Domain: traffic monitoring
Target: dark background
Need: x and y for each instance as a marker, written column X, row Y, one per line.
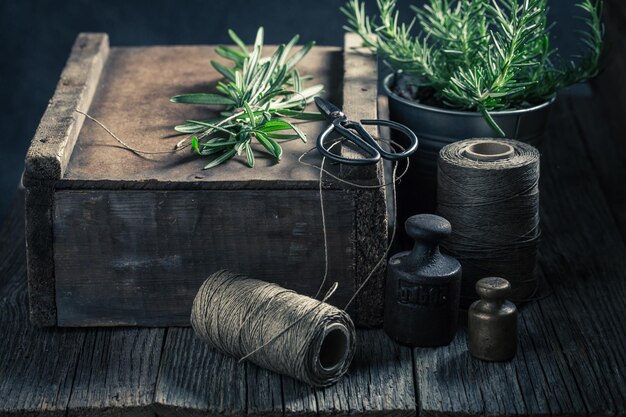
column 36, row 36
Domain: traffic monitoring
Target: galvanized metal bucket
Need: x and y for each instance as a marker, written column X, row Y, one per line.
column 437, row 127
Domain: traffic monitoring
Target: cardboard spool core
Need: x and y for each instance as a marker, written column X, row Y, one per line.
column 488, row 151
column 334, row 348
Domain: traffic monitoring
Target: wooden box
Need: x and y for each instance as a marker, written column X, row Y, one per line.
column 114, row 239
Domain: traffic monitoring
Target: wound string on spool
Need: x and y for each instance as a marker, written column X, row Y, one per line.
column 242, row 317
column 488, row 190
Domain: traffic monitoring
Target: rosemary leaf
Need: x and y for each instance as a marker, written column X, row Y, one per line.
column 202, row 99
column 220, row 159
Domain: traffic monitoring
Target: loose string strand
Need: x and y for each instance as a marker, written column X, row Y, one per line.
column 138, row 152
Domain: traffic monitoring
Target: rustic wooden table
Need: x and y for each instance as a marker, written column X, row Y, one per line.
column 571, row 358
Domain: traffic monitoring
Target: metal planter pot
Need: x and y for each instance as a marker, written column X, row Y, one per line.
column 436, row 127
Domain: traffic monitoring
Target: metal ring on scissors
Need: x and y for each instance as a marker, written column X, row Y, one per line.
column 355, row 132
column 374, row 154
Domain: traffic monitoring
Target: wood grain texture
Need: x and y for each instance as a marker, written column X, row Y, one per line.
column 371, row 244
column 379, row 382
column 195, row 380
column 30, row 380
column 578, row 226
column 116, row 373
column 572, row 355
column 54, row 140
column 138, row 257
column 39, row 254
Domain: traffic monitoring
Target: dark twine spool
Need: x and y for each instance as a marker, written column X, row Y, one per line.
column 274, row 328
column 488, row 190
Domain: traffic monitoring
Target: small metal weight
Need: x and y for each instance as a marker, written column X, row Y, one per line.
column 423, row 287
column 492, row 322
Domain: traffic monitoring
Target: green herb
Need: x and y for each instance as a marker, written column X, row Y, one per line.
column 259, row 94
column 480, row 55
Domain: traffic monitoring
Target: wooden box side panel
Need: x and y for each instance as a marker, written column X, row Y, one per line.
column 138, row 257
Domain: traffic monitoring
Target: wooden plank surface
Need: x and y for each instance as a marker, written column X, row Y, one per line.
column 116, row 372
column 379, row 383
column 195, row 380
column 166, row 371
column 360, row 93
column 113, row 265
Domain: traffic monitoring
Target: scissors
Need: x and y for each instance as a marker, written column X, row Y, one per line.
column 355, row 133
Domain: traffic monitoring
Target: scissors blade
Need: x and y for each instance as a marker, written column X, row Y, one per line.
column 327, row 108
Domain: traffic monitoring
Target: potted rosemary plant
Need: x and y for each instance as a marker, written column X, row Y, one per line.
column 476, row 68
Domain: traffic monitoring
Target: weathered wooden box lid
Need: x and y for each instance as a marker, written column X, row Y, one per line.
column 117, row 238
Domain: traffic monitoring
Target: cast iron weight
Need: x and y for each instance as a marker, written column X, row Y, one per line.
column 423, row 287
column 492, row 321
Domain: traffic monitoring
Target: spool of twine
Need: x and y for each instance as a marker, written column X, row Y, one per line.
column 488, row 190
column 274, row 328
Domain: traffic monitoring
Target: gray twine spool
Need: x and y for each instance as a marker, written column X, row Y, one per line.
column 488, row 190
column 274, row 328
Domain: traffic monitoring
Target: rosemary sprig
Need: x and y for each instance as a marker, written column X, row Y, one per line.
column 259, row 94
column 481, row 55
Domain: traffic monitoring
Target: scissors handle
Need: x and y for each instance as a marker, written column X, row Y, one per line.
column 393, row 156
column 374, row 154
column 365, row 141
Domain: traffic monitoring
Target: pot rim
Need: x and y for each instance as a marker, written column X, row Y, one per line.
column 466, row 113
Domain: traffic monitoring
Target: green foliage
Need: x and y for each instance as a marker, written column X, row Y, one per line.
column 259, row 94
column 480, row 55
